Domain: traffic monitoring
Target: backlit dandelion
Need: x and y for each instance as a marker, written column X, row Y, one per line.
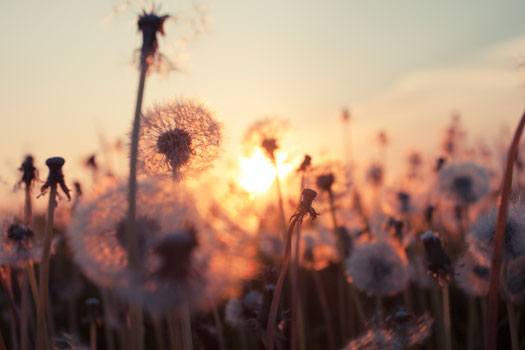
column 378, row 268
column 179, row 138
column 481, row 234
column 464, row 183
column 471, row 276
column 18, row 245
column 182, row 260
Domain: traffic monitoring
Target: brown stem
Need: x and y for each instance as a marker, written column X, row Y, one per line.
column 272, row 317
column 136, row 326
column 325, row 309
column 499, row 237
column 44, row 272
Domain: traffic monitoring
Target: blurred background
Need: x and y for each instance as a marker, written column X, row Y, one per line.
column 69, row 74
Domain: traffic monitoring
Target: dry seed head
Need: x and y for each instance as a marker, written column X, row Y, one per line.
column 150, row 24
column 438, row 262
column 29, row 172
column 56, row 176
column 307, row 161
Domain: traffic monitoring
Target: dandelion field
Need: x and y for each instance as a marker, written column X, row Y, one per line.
column 301, row 250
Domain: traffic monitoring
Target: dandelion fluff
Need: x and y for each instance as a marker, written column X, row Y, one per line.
column 465, row 183
column 178, row 138
column 182, row 261
column 378, row 268
column 481, row 234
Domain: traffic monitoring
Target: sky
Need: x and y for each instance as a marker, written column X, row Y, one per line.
column 67, row 74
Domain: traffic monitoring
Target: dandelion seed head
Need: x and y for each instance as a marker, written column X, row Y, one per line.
column 472, row 277
column 480, row 236
column 18, row 245
column 29, row 172
column 174, row 269
column 179, row 138
column 378, row 268
column 375, row 174
column 464, row 183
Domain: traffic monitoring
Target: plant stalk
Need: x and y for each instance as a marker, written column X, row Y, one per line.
column 44, row 272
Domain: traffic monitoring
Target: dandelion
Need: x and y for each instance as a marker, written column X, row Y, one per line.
column 481, row 234
column 183, row 262
column 375, row 174
column 238, row 313
column 398, row 331
column 18, row 245
column 464, row 183
column 472, row 277
column 378, row 268
column 179, row 138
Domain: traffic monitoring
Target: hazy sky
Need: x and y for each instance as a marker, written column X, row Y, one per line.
column 404, row 66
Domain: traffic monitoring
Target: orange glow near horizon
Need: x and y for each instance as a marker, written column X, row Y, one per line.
column 258, row 173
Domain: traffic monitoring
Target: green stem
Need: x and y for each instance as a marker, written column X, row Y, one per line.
column 44, row 272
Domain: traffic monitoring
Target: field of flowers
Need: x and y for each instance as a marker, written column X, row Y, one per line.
column 337, row 255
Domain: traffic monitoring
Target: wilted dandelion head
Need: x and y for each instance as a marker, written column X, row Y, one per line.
column 378, row 268
column 183, row 261
column 150, row 24
column 56, row 176
column 325, row 182
column 481, row 234
column 29, row 172
column 438, row 262
column 464, row 183
column 307, row 161
column 471, row 276
column 179, row 138
column 18, row 245
column 375, row 174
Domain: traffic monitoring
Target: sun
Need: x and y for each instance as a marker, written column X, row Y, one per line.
column 258, row 172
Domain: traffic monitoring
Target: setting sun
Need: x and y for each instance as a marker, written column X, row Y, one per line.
column 258, row 172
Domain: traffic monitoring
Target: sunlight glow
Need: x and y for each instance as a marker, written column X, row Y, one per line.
column 258, row 173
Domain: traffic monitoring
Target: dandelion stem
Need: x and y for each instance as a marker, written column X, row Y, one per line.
column 325, row 309
column 513, row 325
column 136, row 326
column 471, row 328
column 107, row 307
column 218, row 325
column 93, row 335
column 24, row 335
column 185, row 325
column 32, row 282
column 157, row 329
column 446, row 317
column 272, row 317
column 174, row 332
column 44, row 271
column 280, row 201
column 499, row 237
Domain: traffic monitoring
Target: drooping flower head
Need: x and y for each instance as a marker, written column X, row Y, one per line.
column 464, row 183
column 179, row 138
column 378, row 268
column 183, row 261
column 481, row 234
